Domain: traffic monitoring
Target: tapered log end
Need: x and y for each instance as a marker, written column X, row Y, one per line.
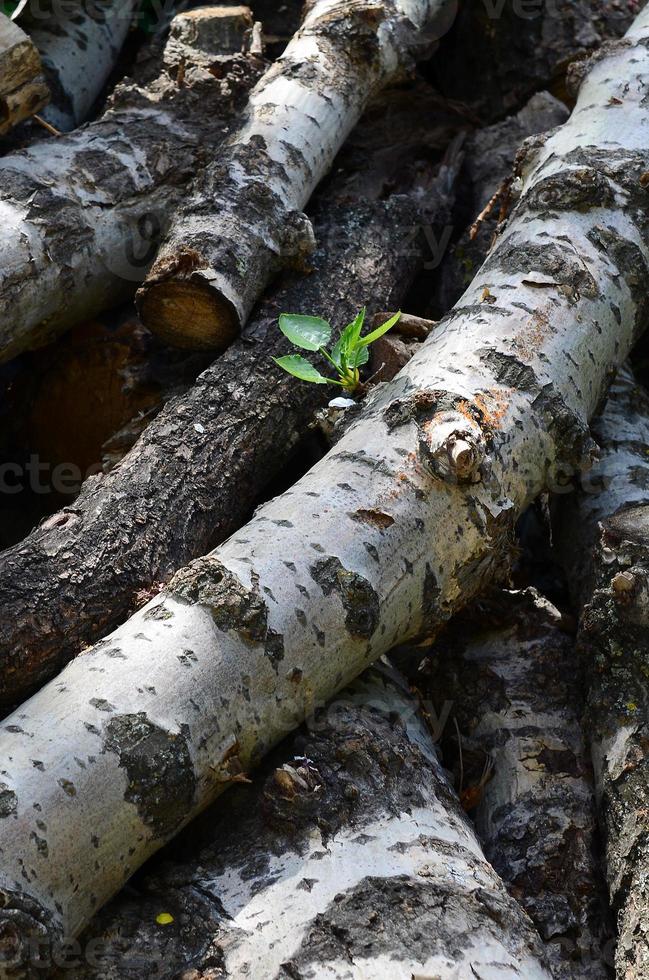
column 188, row 313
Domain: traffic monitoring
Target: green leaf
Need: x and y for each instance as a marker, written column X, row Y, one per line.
column 361, row 357
column 356, row 325
column 300, row 368
column 338, row 355
column 307, row 332
column 375, row 334
column 348, row 341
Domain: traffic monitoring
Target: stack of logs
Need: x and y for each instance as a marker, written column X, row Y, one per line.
column 421, row 673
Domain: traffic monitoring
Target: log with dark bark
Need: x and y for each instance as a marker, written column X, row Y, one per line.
column 404, row 522
column 509, row 668
column 244, row 220
column 81, row 215
column 613, row 581
column 23, row 89
column 79, row 45
column 516, row 47
column 198, row 469
column 619, row 480
column 489, row 158
column 351, row 859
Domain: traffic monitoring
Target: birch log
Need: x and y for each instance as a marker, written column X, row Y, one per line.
column 199, row 467
column 352, row 858
column 613, row 641
column 244, row 219
column 79, row 44
column 80, row 215
column 23, row 89
column 510, row 671
column 405, row 520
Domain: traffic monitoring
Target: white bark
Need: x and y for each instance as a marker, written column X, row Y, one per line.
column 517, row 694
column 79, row 44
column 244, row 219
column 80, row 215
column 370, row 548
column 613, row 581
column 23, row 90
column 352, row 859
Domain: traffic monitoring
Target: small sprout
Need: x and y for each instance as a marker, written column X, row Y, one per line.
column 347, row 356
column 164, row 919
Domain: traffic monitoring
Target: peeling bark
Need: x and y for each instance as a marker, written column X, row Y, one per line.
column 244, row 220
column 23, row 89
column 197, row 470
column 81, row 215
column 241, row 644
column 79, row 45
column 613, row 642
column 351, row 858
column 517, row 696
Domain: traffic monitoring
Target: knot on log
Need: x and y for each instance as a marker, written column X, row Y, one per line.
column 630, row 590
column 623, row 583
column 23, row 932
column 298, row 242
column 570, row 190
column 452, row 448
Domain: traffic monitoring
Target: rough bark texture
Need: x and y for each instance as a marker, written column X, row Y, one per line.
column 350, row 857
column 408, row 517
column 244, row 219
column 80, row 215
column 613, row 641
column 619, row 479
column 517, row 695
column 23, row 90
column 489, row 157
column 79, row 44
column 196, row 472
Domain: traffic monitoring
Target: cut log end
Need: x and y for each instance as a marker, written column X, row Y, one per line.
column 188, row 314
column 22, row 104
column 23, row 90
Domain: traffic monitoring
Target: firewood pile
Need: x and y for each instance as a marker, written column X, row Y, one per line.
column 324, row 490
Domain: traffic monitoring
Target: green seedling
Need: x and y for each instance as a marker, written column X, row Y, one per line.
column 348, row 355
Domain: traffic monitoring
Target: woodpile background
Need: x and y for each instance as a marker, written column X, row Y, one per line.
column 294, row 687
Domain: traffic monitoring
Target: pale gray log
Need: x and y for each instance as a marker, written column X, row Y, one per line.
column 511, row 672
column 79, row 44
column 244, row 219
column 80, row 215
column 351, row 859
column 370, row 548
column 605, row 533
